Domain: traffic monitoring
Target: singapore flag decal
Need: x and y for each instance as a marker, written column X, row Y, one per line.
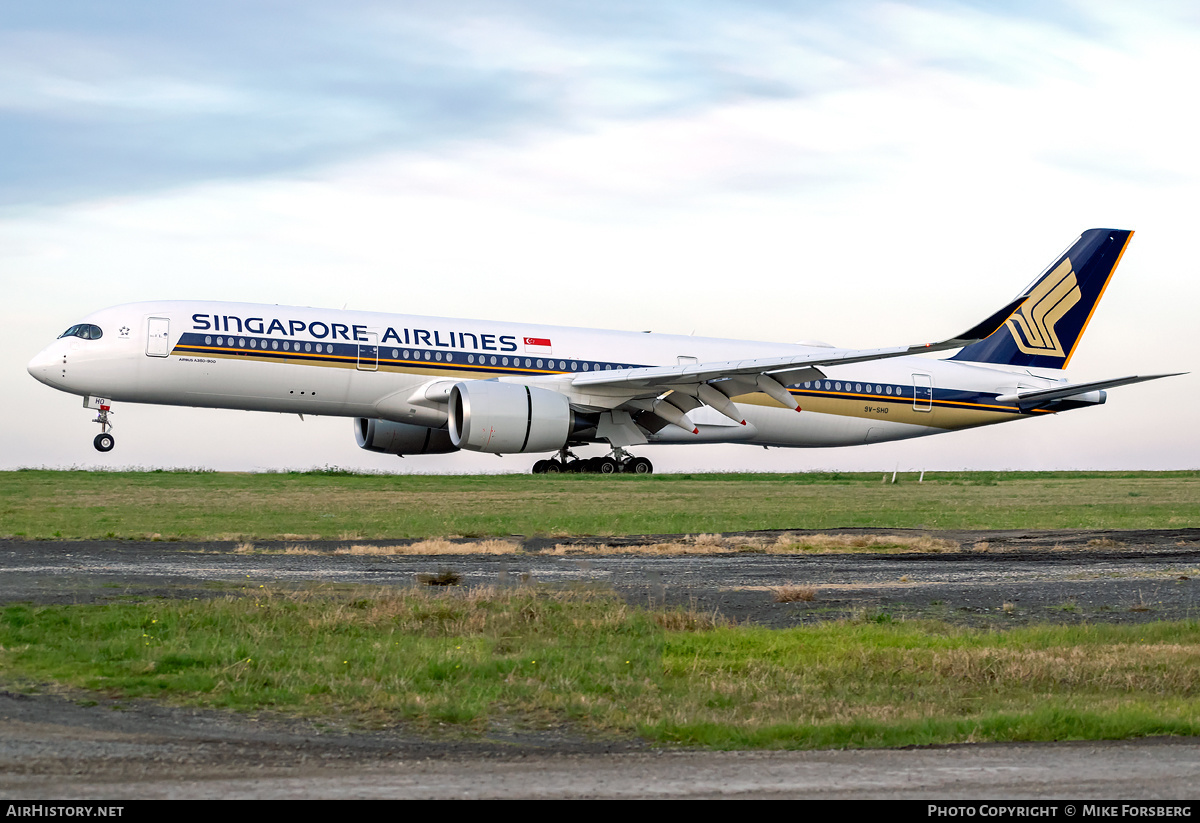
column 537, row 345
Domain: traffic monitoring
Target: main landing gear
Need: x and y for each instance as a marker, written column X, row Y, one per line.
column 104, row 441
column 619, row 461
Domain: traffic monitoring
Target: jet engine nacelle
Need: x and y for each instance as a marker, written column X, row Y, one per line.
column 508, row 418
column 400, row 438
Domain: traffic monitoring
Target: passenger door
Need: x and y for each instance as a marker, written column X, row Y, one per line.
column 368, row 353
column 922, row 392
column 158, row 333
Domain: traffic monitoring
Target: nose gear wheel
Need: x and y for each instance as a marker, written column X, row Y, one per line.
column 104, row 441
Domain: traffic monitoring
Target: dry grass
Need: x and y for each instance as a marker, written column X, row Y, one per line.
column 787, row 543
column 783, row 544
column 839, row 543
column 793, row 594
column 690, row 544
column 435, row 547
column 687, row 545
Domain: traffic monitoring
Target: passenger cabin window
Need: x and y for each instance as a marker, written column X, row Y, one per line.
column 85, row 331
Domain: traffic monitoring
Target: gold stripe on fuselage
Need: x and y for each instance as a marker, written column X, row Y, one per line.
column 943, row 414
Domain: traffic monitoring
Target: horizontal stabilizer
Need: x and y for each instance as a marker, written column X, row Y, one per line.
column 1039, row 397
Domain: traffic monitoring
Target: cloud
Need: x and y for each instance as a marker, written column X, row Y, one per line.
column 142, row 96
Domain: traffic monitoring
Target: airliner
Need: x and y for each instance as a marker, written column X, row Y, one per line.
column 432, row 385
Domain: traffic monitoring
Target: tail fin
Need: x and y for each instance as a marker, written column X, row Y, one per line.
column 1046, row 327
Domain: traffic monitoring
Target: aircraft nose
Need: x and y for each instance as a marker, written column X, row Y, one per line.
column 42, row 366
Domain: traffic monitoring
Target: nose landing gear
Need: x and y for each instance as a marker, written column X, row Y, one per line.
column 104, row 441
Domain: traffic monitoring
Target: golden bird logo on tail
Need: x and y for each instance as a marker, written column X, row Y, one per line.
column 1032, row 325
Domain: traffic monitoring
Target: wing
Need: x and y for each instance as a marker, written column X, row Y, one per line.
column 712, row 384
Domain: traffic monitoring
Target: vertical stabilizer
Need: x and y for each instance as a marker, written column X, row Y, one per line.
column 1045, row 329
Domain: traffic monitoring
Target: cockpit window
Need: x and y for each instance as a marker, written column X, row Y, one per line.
column 83, row 330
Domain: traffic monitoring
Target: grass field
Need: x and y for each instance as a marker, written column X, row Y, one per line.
column 474, row 659
column 467, row 660
column 334, row 505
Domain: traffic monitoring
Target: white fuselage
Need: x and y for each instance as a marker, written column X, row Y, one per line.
column 369, row 365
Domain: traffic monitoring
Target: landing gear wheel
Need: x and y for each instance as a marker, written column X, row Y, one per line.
column 540, row 467
column 606, row 465
column 104, row 440
column 553, row 467
column 639, row 465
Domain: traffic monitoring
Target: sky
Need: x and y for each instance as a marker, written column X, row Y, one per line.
column 863, row 173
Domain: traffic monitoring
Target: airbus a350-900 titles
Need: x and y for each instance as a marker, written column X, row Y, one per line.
column 433, row 385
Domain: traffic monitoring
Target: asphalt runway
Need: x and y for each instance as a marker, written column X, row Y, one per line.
column 54, row 746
